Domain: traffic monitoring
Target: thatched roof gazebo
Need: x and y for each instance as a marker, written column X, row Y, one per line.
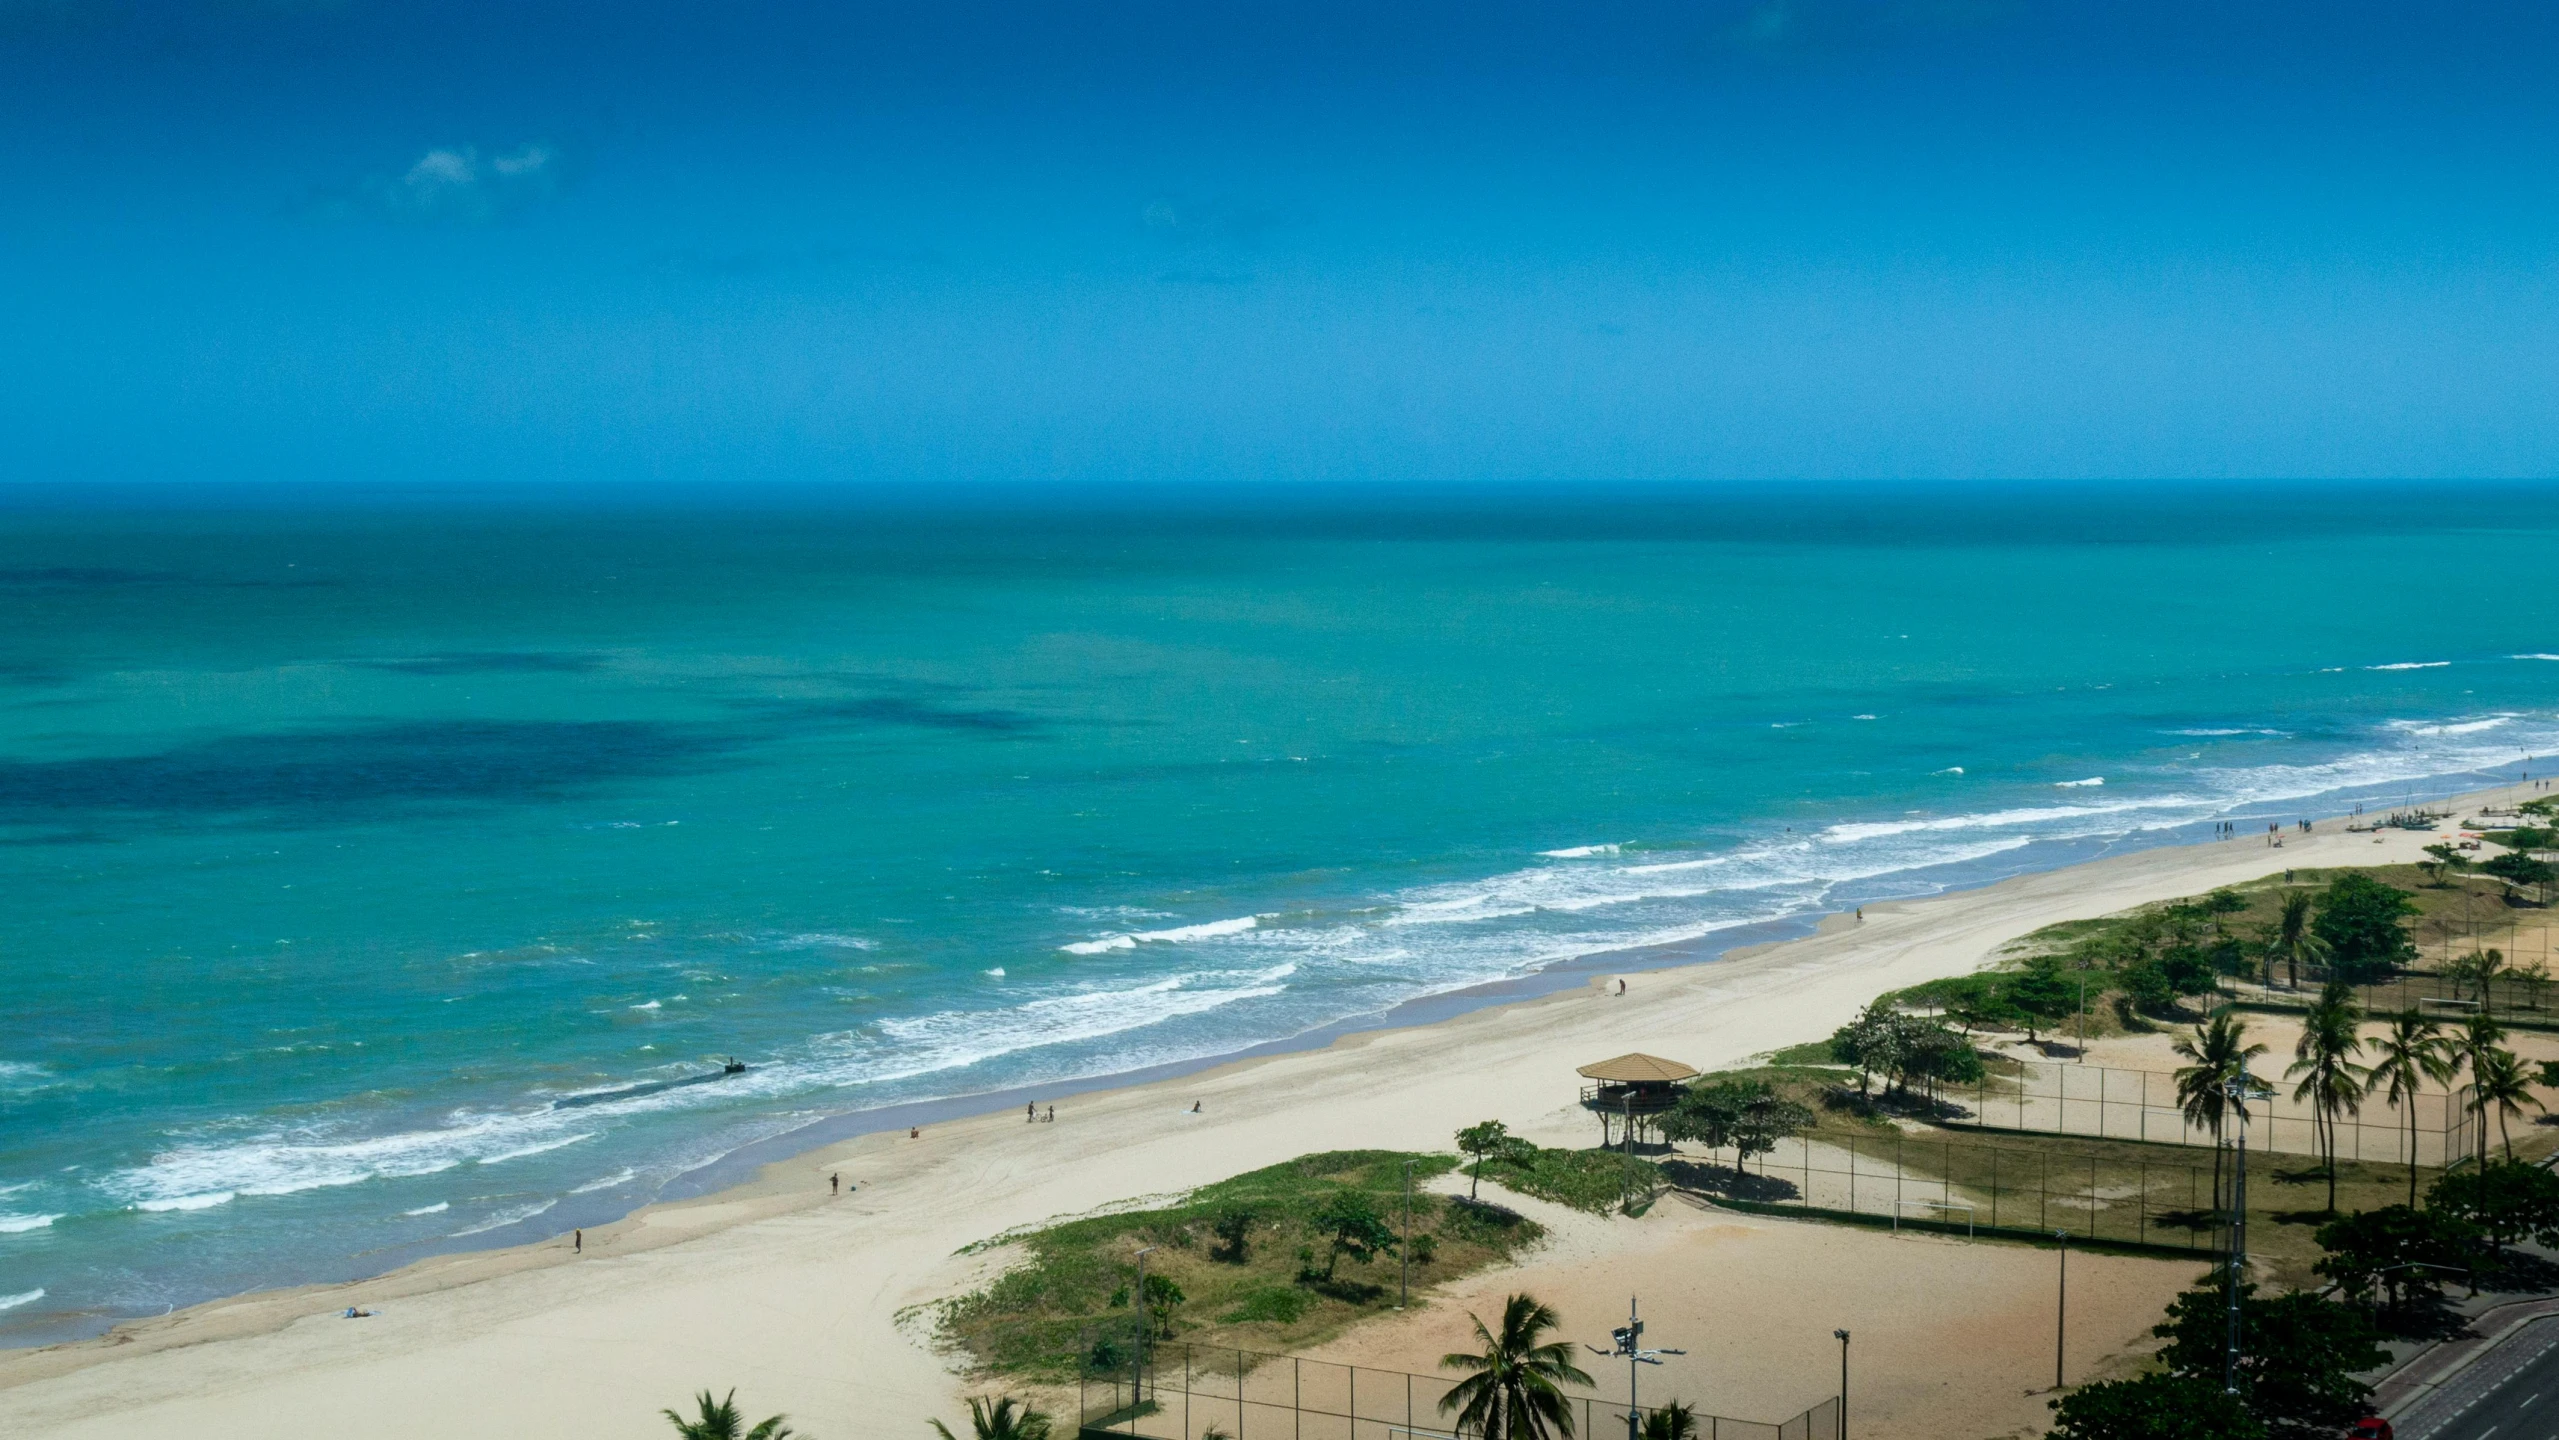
column 1632, row 1090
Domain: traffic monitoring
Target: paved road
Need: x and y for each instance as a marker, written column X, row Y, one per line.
column 2509, row 1393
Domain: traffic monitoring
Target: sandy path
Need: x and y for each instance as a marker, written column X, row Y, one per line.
column 795, row 1299
column 1950, row 1340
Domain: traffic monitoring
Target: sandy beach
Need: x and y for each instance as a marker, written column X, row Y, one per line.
column 809, row 1304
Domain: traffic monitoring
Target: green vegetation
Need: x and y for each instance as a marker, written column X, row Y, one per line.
column 1275, row 1259
column 720, row 1420
column 2363, row 924
column 1595, row 1180
column 2153, row 1407
column 1512, row 1387
column 1000, row 1418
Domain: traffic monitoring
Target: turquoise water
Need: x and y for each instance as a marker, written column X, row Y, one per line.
column 345, row 835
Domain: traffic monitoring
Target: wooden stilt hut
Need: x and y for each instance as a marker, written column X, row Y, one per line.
column 1630, row 1094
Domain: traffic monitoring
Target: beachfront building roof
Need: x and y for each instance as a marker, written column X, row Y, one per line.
column 1630, row 1092
column 1637, row 1068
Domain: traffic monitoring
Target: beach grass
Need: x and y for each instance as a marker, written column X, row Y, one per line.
column 1286, row 1285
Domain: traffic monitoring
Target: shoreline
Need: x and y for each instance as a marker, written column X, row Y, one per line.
column 1829, row 954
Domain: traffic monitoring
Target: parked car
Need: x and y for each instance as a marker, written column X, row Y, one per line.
column 2371, row 1427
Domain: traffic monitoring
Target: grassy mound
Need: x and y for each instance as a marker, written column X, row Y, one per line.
column 1257, row 1261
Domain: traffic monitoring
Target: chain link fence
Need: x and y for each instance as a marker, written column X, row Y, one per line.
column 1189, row 1391
column 2106, row 1103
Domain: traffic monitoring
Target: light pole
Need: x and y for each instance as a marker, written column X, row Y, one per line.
column 2236, row 1088
column 1404, row 1247
column 2061, row 1306
column 1629, row 1343
column 1843, row 1383
column 1137, row 1380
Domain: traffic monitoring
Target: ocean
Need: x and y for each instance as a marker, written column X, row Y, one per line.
column 372, row 859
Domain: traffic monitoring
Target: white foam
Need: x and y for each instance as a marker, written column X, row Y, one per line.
column 649, row 1005
column 2079, row 784
column 2533, row 657
column 2453, row 727
column 619, row 1177
column 1949, row 770
column 2412, row 665
column 1861, row 717
column 24, row 1297
column 504, row 1218
column 21, row 1224
column 995, row 972
column 1210, row 930
column 1581, row 852
column 438, row 1208
column 188, row 1202
column 535, row 1149
column 826, row 940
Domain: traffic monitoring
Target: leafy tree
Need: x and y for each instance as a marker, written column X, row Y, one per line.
column 2361, row 920
column 2505, row 1200
column 2042, row 992
column 2153, row 1407
column 2446, row 859
column 1904, row 1049
column 1482, row 1142
column 1000, row 1418
column 2221, row 1052
column 2331, row 1082
column 1512, row 1389
column 2518, row 868
column 2294, row 939
column 2408, row 1054
column 1987, row 1008
column 2402, row 1251
column 2224, row 902
column 2189, row 971
column 1936, row 1054
column 2298, row 1355
column 1676, row 1420
column 1869, row 1043
column 2534, row 976
column 1749, row 1116
column 2479, row 967
column 1350, row 1224
column 1162, row 1295
column 1233, row 1228
column 720, row 1420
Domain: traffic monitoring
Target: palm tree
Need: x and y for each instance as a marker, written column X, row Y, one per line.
column 1674, row 1421
column 2480, row 1034
column 2294, row 941
column 2504, row 1083
column 2411, row 1052
column 1511, row 1395
column 720, row 1420
column 1002, row 1418
column 2221, row 1054
column 2324, row 1061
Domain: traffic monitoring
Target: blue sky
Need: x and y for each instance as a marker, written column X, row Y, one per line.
column 296, row 239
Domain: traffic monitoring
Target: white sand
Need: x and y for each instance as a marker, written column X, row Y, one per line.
column 796, row 1300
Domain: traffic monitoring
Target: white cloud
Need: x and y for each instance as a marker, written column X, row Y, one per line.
column 458, row 185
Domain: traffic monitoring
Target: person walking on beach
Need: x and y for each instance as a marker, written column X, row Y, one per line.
column 1031, row 1113
column 835, row 1183
column 1052, row 1115
column 577, row 1242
